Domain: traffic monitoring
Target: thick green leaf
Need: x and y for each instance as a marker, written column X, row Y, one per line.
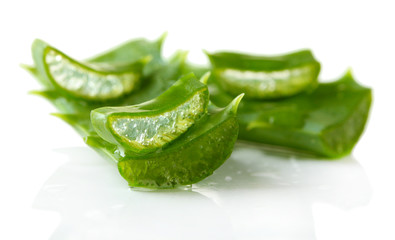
column 200, row 150
column 88, row 81
column 326, row 122
column 148, row 126
column 190, row 158
column 76, row 111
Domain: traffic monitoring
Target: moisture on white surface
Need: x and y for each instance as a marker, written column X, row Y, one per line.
column 254, row 195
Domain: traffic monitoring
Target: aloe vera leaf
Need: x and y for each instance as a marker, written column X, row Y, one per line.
column 151, row 125
column 190, row 158
column 265, row 77
column 326, row 122
column 92, row 82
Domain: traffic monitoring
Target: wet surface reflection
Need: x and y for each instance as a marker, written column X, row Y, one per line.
column 255, row 194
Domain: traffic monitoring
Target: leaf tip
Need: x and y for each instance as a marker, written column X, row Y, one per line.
column 34, row 92
column 205, row 77
column 183, row 54
column 31, row 69
column 206, row 52
column 349, row 72
column 25, row 66
column 59, row 115
column 162, row 37
column 235, row 103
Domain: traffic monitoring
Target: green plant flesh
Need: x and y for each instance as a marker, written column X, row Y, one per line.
column 151, row 125
column 326, row 122
column 190, row 158
column 128, row 105
column 173, row 124
column 265, row 77
column 89, row 81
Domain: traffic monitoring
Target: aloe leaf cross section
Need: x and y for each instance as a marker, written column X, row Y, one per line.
column 327, row 122
column 89, row 81
column 151, row 125
column 190, row 158
column 265, row 77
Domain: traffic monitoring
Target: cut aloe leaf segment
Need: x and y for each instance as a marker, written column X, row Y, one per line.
column 88, row 81
column 151, row 125
column 190, row 158
column 263, row 77
column 327, row 122
column 187, row 158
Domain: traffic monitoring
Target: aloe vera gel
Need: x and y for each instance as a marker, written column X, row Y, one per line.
column 263, row 77
column 150, row 125
column 95, row 82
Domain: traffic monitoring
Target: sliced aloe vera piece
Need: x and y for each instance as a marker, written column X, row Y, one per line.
column 151, row 125
column 88, row 81
column 263, row 77
column 327, row 122
column 190, row 158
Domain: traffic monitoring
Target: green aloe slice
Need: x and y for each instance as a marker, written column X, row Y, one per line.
column 327, row 122
column 263, row 77
column 190, row 158
column 98, row 81
column 202, row 148
column 151, row 125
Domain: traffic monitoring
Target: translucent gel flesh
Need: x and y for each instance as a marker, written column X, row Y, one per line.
column 156, row 131
column 87, row 83
column 265, row 83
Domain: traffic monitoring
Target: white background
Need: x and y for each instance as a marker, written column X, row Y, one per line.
column 53, row 186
